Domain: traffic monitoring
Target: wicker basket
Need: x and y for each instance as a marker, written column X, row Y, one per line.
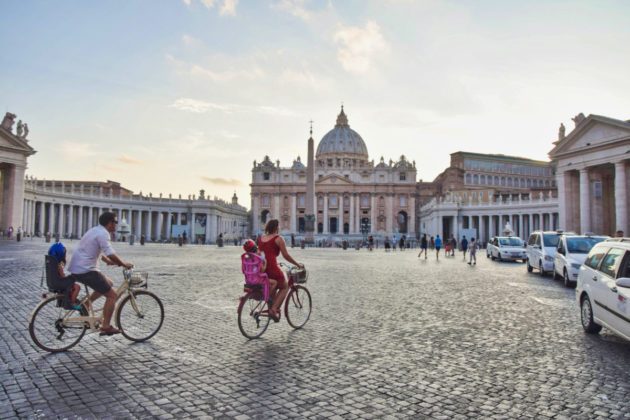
column 138, row 278
column 299, row 276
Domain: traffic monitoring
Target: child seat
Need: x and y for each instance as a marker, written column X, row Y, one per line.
column 251, row 265
column 56, row 284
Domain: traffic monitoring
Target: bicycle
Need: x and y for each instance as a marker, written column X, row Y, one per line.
column 139, row 315
column 253, row 308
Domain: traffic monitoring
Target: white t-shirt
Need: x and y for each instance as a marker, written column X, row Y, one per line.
column 95, row 242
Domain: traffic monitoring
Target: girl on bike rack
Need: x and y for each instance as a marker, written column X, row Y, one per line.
column 272, row 244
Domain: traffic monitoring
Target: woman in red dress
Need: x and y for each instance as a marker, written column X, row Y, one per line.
column 272, row 244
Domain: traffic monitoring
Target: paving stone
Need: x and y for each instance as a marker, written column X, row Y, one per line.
column 390, row 336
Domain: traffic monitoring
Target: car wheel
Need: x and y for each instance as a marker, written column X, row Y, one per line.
column 529, row 267
column 567, row 281
column 586, row 311
column 487, row 255
column 493, row 257
column 499, row 257
column 541, row 268
column 555, row 274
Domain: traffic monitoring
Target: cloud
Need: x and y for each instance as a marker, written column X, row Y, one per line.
column 294, row 7
column 191, row 41
column 208, row 3
column 200, row 107
column 73, row 150
column 129, row 160
column 224, row 182
column 359, row 47
column 187, row 2
column 228, row 8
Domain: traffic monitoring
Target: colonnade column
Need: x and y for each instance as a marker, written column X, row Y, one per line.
column 585, row 201
column 147, row 226
column 482, row 230
column 621, row 198
column 325, row 231
column 169, row 224
column 42, row 215
column 90, row 217
column 160, row 220
column 521, row 225
column 71, row 220
column 80, row 222
column 207, row 233
column 492, row 226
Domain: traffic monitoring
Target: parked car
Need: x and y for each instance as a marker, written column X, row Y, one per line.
column 506, row 248
column 603, row 288
column 541, row 251
column 570, row 255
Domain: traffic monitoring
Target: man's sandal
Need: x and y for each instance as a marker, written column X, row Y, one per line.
column 109, row 331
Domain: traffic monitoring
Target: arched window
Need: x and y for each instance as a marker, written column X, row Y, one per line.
column 476, row 179
column 468, row 179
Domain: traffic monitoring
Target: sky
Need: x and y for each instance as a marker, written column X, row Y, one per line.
column 175, row 96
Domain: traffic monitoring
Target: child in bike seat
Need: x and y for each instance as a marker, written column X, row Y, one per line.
column 254, row 265
column 58, row 251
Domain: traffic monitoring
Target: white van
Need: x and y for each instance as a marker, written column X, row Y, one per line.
column 541, row 251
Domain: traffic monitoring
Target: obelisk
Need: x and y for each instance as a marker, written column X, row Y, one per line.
column 309, row 216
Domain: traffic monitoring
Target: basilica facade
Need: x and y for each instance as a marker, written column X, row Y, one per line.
column 354, row 196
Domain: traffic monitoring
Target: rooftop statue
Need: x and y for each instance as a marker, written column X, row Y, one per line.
column 7, row 121
column 578, row 118
column 561, row 132
column 20, row 128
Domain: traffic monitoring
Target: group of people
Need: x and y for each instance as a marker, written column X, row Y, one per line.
column 437, row 243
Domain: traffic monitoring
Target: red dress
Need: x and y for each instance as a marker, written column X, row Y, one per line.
column 272, row 250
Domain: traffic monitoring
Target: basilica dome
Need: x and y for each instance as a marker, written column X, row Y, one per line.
column 342, row 141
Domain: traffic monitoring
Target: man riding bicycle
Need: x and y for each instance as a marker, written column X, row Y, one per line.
column 83, row 266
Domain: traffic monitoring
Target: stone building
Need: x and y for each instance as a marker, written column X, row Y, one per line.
column 70, row 208
column 14, row 151
column 354, row 196
column 592, row 168
column 484, row 192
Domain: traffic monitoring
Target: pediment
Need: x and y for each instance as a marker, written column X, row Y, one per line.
column 8, row 141
column 593, row 132
column 333, row 179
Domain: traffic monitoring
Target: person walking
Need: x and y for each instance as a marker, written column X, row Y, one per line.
column 432, row 243
column 453, row 245
column 472, row 248
column 438, row 246
column 423, row 246
column 464, row 246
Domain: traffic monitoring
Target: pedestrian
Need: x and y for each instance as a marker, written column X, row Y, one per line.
column 387, row 246
column 438, row 246
column 401, row 243
column 472, row 248
column 423, row 246
column 453, row 245
column 464, row 246
column 432, row 243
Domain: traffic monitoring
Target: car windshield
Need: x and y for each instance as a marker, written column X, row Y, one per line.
column 511, row 242
column 582, row 245
column 551, row 239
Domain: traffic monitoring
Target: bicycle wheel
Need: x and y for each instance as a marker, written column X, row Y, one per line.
column 297, row 307
column 52, row 329
column 253, row 318
column 140, row 315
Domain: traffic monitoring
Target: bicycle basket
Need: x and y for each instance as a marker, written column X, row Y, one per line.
column 299, row 275
column 138, row 278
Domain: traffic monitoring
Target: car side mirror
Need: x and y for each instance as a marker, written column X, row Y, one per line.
column 623, row 282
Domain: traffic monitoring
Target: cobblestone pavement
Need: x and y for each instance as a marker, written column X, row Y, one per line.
column 391, row 335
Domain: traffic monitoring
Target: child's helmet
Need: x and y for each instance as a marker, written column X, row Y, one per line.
column 250, row 246
column 58, row 251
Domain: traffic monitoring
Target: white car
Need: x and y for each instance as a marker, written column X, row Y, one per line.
column 506, row 248
column 603, row 288
column 541, row 251
column 570, row 255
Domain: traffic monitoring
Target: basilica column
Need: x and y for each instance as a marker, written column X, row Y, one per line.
column 389, row 214
column 373, row 211
column 411, row 218
column 621, row 198
column 562, row 201
column 358, row 214
column 292, row 213
column 325, row 232
column 255, row 214
column 351, row 218
column 276, row 207
column 585, row 202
